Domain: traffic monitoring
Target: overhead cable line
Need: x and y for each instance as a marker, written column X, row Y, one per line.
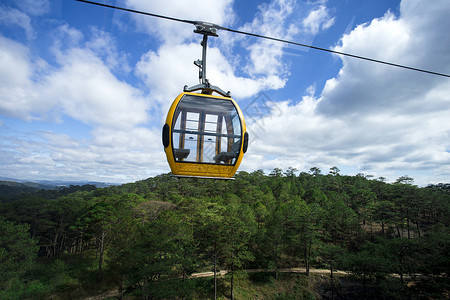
column 268, row 38
column 137, row 11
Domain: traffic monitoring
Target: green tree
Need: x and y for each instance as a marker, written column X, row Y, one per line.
column 154, row 262
column 210, row 233
column 315, row 171
column 18, row 252
column 290, row 172
column 239, row 225
column 340, row 221
column 273, row 243
column 334, row 171
column 434, row 252
column 98, row 221
column 363, row 264
column 133, row 215
column 405, row 180
column 401, row 253
column 303, row 226
column 382, row 212
column 331, row 255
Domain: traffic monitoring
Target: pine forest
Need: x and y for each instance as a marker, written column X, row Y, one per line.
column 283, row 235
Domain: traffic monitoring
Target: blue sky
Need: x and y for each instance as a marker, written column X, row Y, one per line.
column 84, row 90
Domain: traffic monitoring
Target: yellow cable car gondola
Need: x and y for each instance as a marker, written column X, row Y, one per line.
column 204, row 134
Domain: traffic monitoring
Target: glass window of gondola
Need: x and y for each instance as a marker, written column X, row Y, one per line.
column 206, row 130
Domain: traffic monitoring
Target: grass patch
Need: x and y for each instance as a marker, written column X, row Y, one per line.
column 264, row 286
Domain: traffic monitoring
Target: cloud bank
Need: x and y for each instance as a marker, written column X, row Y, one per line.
column 82, row 108
column 379, row 119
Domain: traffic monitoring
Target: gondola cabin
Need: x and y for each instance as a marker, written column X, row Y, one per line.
column 204, row 136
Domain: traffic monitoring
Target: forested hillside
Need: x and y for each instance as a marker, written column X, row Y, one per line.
column 146, row 239
column 10, row 189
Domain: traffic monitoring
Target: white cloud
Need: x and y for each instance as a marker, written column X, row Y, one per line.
column 174, row 67
column 103, row 44
column 65, row 37
column 16, row 93
column 14, row 17
column 173, row 60
column 15, row 69
column 167, row 70
column 377, row 118
column 86, row 90
column 265, row 55
column 34, row 7
column 108, row 156
column 318, row 19
column 217, row 12
column 296, row 135
column 82, row 87
column 367, row 87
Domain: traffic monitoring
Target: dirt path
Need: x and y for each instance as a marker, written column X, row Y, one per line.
column 285, row 270
column 115, row 293
column 108, row 294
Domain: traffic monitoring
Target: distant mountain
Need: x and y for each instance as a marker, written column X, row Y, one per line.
column 60, row 183
column 26, row 185
column 52, row 184
column 11, row 188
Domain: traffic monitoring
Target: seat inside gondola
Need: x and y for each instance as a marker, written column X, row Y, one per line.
column 206, row 130
column 229, row 155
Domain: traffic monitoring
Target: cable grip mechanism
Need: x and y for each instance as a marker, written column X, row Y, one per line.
column 206, row 29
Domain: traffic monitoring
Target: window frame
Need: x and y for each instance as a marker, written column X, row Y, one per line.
column 203, row 111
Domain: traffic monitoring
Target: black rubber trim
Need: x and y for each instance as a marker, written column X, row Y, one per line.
column 245, row 146
column 166, row 135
